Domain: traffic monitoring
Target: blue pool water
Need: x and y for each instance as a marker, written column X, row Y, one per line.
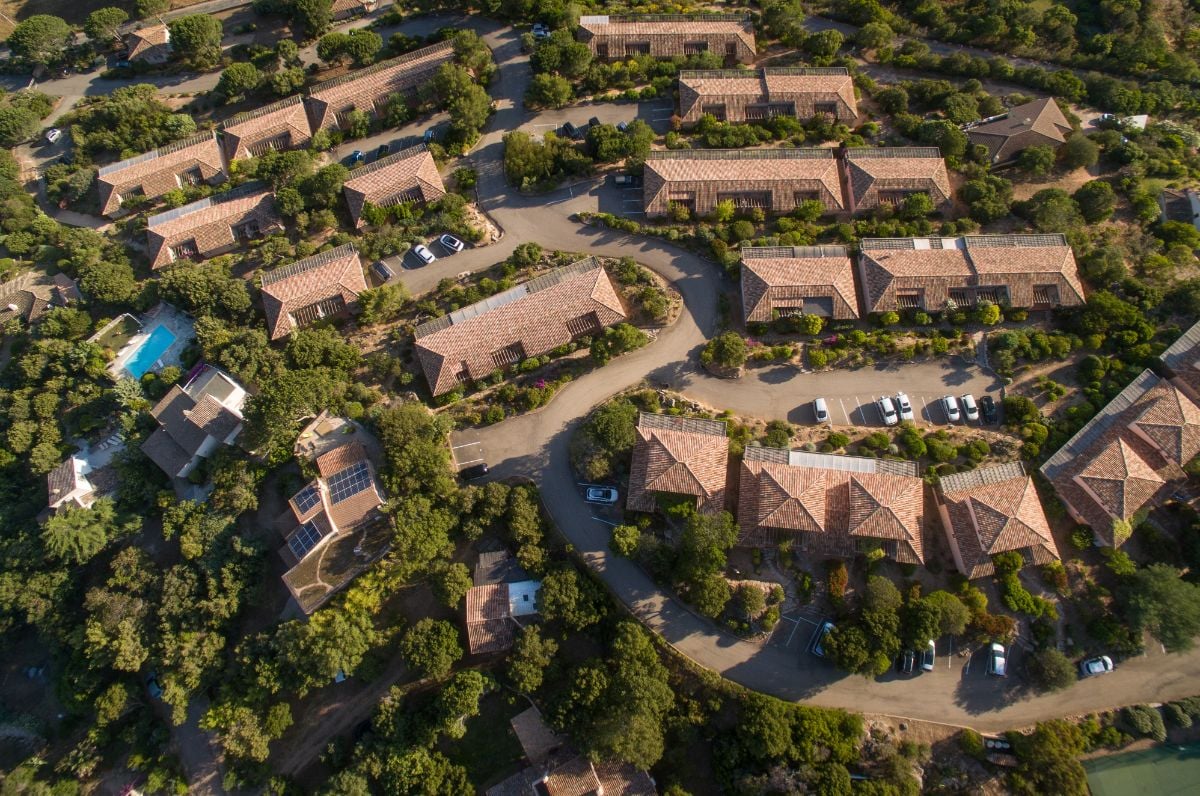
column 149, row 351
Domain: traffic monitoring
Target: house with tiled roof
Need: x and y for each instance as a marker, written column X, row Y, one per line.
column 211, row 226
column 878, row 176
column 1129, row 458
column 32, row 294
column 151, row 45
column 772, row 180
column 494, row 612
column 525, row 321
column 556, row 768
column 1037, row 123
column 831, row 505
column 676, row 457
column 993, row 510
column 1035, row 272
column 1182, row 361
column 345, row 9
column 745, row 95
column 409, row 175
column 613, row 38
column 323, row 286
column 369, row 89
column 192, row 161
column 279, row 126
column 334, row 526
column 81, row 480
column 194, row 421
column 781, row 281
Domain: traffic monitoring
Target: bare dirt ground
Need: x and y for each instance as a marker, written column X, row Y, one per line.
column 1068, row 182
column 948, row 764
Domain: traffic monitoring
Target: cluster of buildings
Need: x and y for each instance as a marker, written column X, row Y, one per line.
column 1035, row 272
column 1129, row 459
column 222, row 223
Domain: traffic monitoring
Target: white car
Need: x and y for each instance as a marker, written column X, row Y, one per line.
column 423, row 252
column 997, row 665
column 821, row 410
column 53, row 134
column 890, row 418
column 1093, row 667
column 451, row 243
column 904, row 406
column 601, row 494
column 929, row 657
column 969, row 407
column 950, row 404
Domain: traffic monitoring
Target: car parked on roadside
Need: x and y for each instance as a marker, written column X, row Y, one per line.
column 422, row 251
column 950, row 405
column 970, row 408
column 357, row 157
column 473, row 472
column 818, row 639
column 997, row 664
column 888, row 410
column 451, row 243
column 540, row 30
column 1094, row 667
column 929, row 657
column 53, row 134
column 987, row 408
column 382, row 271
column 601, row 494
column 568, row 130
column 625, row 179
column 904, row 406
column 906, row 662
column 622, row 126
column 821, row 410
column 594, row 121
column 383, row 150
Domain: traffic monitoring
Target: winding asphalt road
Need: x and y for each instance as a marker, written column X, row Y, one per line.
column 536, row 446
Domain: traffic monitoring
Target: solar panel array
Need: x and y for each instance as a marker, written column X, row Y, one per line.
column 306, row 498
column 305, row 538
column 349, row 482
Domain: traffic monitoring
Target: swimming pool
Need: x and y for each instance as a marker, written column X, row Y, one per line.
column 149, row 351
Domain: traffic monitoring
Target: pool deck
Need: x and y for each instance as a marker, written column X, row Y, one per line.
column 178, row 323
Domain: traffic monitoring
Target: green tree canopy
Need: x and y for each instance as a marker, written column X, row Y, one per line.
column 1158, row 600
column 196, row 39
column 77, row 534
column 105, row 23
column 42, row 38
column 431, row 647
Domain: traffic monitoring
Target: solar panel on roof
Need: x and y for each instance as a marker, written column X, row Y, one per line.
column 349, row 482
column 306, row 498
column 305, row 538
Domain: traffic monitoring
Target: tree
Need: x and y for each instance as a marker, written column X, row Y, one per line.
column 1050, row 670
column 419, row 770
column 77, row 534
column 17, row 125
column 1036, row 161
column 530, row 657
column 431, row 647
column 987, row 198
column 1096, row 200
column 1158, row 600
column 363, row 45
column 196, row 39
column 104, row 23
column 1049, row 761
column 151, row 8
column 451, row 584
column 727, row 350
column 469, row 111
column 625, row 540
column 313, row 16
column 916, row 206
column 893, row 99
column 324, row 189
column 1052, row 210
column 571, row 598
column 953, row 615
column 549, row 91
column 381, row 304
column 873, row 36
column 824, row 44
column 41, row 38
column 238, row 79
column 1080, row 152
column 242, row 730
column 945, row 136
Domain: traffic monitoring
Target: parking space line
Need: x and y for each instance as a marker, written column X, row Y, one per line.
column 788, row 643
column 845, row 414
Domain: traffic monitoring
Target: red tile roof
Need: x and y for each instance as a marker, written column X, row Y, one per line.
column 1037, row 123
column 149, row 43
column 157, row 173
column 784, row 276
column 870, row 171
column 366, row 89
column 994, row 510
column 315, row 287
column 670, row 26
column 825, row 502
column 526, row 321
column 280, row 125
column 802, row 87
column 211, row 223
column 678, row 456
column 576, row 777
column 489, row 624
column 408, row 175
column 738, row 169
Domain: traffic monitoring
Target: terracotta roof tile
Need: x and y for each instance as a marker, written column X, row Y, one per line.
column 1040, row 122
column 151, row 41
column 280, row 125
column 316, row 287
column 801, row 87
column 804, row 169
column 525, row 321
column 874, row 170
column 782, row 276
column 1119, row 479
column 365, row 89
column 489, row 624
column 405, row 176
column 674, row 458
column 1171, row 423
column 670, row 26
column 212, row 224
column 624, row 779
column 339, row 458
column 576, row 777
column 157, row 173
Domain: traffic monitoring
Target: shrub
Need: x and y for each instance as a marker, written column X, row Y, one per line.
column 625, row 539
column 1145, row 721
column 838, row 440
column 971, row 743
column 727, row 350
column 1082, row 538
column 1050, row 670
column 837, row 579
column 1177, row 715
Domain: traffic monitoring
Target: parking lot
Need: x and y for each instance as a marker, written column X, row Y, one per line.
column 656, row 113
column 863, row 410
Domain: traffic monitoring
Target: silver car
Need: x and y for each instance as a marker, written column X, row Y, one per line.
column 904, row 406
column 423, row 253
column 890, row 418
column 950, row 404
column 970, row 409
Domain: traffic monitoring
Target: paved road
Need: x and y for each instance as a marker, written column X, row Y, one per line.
column 536, row 446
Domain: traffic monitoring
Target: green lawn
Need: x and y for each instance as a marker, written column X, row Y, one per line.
column 1159, row 771
column 118, row 334
column 489, row 751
